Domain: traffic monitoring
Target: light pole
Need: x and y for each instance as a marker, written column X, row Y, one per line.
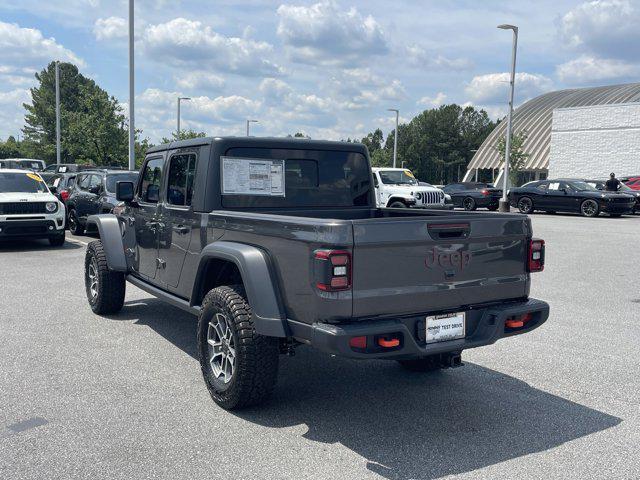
column 248, row 122
column 395, row 137
column 179, row 100
column 132, row 121
column 504, row 202
column 58, row 113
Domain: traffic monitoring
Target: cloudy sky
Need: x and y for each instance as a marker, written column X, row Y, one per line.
column 327, row 68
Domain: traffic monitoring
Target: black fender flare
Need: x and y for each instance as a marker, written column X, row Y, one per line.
column 111, row 238
column 259, row 284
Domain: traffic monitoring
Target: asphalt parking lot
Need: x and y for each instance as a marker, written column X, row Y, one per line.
column 88, row 397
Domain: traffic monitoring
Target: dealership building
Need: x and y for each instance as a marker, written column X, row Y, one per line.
column 577, row 133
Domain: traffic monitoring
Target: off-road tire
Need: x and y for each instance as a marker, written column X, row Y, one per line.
column 425, row 364
column 58, row 240
column 469, row 204
column 255, row 371
column 397, row 204
column 110, row 287
column 75, row 228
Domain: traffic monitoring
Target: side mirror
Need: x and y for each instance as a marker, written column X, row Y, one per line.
column 153, row 193
column 124, row 191
column 53, row 189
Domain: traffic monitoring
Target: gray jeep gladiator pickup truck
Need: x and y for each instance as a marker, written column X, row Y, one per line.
column 275, row 243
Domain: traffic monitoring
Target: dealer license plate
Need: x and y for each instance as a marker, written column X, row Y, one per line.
column 441, row 328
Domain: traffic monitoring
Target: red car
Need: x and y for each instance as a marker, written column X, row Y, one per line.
column 632, row 182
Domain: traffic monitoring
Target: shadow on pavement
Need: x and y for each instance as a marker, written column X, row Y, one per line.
column 34, row 245
column 406, row 425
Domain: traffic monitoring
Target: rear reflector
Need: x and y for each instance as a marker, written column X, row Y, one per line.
column 518, row 321
column 358, row 342
column 388, row 342
column 535, row 261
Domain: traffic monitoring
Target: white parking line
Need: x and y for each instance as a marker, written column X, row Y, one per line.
column 75, row 240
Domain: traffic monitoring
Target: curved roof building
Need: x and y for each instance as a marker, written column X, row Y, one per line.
column 535, row 117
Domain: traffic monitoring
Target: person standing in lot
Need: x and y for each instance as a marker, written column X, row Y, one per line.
column 613, row 184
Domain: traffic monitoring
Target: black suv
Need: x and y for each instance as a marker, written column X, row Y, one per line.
column 94, row 192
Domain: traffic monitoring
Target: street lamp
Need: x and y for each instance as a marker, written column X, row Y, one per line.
column 132, row 128
column 395, row 137
column 504, row 202
column 248, row 122
column 179, row 100
column 58, row 113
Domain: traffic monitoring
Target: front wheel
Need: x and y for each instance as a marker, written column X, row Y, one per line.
column 590, row 208
column 58, row 240
column 525, row 205
column 239, row 366
column 105, row 288
column 397, row 204
column 74, row 224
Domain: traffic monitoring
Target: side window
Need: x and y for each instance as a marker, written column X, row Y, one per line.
column 83, row 182
column 182, row 169
column 71, row 181
column 542, row 187
column 53, row 181
column 94, row 181
column 149, row 189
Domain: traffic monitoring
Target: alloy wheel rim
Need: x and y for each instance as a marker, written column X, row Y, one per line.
column 93, row 278
column 525, row 205
column 589, row 208
column 468, row 204
column 222, row 351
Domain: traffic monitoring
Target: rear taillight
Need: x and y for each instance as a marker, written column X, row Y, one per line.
column 536, row 255
column 332, row 270
column 64, row 195
column 486, row 193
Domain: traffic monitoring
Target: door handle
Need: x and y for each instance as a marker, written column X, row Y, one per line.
column 181, row 229
column 160, row 263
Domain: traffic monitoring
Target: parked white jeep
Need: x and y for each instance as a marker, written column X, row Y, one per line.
column 28, row 209
column 398, row 188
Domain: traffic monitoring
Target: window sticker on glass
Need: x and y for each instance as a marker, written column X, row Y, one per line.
column 252, row 176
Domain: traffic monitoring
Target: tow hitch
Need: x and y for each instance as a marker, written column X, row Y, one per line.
column 451, row 360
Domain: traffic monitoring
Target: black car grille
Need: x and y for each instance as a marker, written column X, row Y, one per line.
column 22, row 208
column 621, row 200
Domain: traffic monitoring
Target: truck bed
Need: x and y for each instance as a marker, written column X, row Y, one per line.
column 404, row 262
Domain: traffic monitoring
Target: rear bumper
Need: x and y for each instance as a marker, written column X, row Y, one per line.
column 45, row 228
column 484, row 326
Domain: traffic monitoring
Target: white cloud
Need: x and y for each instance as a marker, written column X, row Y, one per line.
column 605, row 28
column 110, row 28
column 359, row 88
column 586, row 68
column 289, row 106
column 493, row 87
column 11, row 111
column 324, row 33
column 191, row 81
column 436, row 101
column 420, row 57
column 27, row 47
column 185, row 42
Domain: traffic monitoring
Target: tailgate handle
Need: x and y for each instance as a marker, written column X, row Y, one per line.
column 449, row 230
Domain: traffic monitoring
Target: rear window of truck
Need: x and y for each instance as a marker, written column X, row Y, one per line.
column 313, row 178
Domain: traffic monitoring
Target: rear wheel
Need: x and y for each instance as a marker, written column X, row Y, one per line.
column 525, row 205
column 590, row 208
column 397, row 204
column 74, row 224
column 239, row 366
column 469, row 204
column 105, row 288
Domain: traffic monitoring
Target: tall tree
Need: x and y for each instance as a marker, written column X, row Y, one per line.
column 184, row 135
column 93, row 127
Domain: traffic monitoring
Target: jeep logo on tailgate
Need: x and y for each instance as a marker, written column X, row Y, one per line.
column 459, row 260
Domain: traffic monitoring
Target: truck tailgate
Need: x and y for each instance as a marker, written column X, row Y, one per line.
column 426, row 264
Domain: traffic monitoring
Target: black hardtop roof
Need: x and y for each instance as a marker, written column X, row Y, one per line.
column 224, row 143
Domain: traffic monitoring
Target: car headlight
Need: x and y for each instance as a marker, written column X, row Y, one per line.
column 52, row 207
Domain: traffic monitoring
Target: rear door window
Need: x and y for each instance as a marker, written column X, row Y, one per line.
column 313, row 178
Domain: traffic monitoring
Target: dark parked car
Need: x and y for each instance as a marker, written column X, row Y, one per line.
column 569, row 195
column 94, row 192
column 624, row 189
column 61, row 185
column 270, row 259
column 472, row 195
